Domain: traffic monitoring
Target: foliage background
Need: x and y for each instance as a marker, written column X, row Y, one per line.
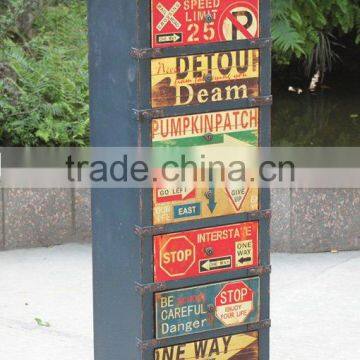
column 44, row 71
column 44, row 77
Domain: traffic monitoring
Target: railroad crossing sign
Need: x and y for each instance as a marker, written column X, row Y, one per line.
column 168, row 16
column 234, row 303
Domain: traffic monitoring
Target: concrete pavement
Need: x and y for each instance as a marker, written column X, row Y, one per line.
column 315, row 305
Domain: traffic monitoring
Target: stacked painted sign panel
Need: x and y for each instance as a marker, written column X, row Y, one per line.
column 231, row 347
column 206, row 251
column 177, row 202
column 205, row 78
column 189, row 22
column 208, row 307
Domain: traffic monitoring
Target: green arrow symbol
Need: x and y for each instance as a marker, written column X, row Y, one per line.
column 211, row 196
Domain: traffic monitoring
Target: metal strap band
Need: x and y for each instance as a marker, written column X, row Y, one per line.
column 153, row 53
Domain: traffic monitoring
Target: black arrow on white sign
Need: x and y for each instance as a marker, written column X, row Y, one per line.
column 215, row 264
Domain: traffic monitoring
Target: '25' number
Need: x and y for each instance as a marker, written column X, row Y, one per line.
column 208, row 32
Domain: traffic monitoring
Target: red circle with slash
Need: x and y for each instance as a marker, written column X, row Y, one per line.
column 239, row 21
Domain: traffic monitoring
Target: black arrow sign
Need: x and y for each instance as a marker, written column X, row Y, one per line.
column 215, row 264
column 169, row 38
column 242, row 260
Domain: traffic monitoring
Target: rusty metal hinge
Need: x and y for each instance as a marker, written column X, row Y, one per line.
column 261, row 100
column 264, row 324
column 147, row 230
column 261, row 214
column 266, row 214
column 144, row 345
column 148, row 114
column 260, row 270
column 144, row 53
column 153, row 287
column 261, row 42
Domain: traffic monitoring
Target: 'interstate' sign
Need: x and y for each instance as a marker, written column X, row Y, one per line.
column 204, row 78
column 178, row 201
column 205, row 251
column 208, row 307
column 232, row 347
column 192, row 22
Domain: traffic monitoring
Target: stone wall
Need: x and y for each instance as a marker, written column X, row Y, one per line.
column 306, row 220
column 44, row 217
column 302, row 221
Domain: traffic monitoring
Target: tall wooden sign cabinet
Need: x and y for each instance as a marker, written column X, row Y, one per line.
column 180, row 272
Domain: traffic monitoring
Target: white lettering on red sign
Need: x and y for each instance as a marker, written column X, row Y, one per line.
column 177, row 256
column 234, row 303
column 168, row 16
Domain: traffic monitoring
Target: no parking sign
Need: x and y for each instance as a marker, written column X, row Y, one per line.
column 239, row 21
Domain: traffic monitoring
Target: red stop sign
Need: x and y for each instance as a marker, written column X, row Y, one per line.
column 177, row 256
column 234, row 303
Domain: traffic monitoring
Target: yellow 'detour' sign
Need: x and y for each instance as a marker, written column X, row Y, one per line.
column 205, row 78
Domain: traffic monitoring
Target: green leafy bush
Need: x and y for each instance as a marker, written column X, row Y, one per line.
column 44, row 81
column 10, row 11
column 301, row 28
